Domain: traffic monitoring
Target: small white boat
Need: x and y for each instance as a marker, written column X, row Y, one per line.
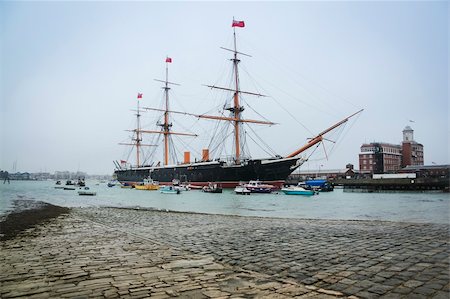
column 297, row 190
column 170, row 190
column 183, row 187
column 241, row 189
column 113, row 183
column 194, row 187
column 180, row 186
column 212, row 188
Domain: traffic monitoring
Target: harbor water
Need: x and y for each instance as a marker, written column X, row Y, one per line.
column 339, row 205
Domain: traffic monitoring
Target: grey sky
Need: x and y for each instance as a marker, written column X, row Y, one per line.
column 70, row 73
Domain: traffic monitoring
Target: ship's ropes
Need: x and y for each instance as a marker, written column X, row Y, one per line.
column 267, row 149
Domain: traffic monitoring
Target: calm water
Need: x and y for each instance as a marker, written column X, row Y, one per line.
column 410, row 207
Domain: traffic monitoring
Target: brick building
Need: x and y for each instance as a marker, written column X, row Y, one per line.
column 380, row 157
column 412, row 152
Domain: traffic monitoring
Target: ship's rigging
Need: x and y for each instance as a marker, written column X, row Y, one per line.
column 136, row 140
column 235, row 110
column 234, row 125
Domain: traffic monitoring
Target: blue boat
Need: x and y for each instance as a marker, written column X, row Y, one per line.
column 319, row 185
column 170, row 190
column 296, row 190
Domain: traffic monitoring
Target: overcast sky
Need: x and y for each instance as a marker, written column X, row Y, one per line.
column 70, row 73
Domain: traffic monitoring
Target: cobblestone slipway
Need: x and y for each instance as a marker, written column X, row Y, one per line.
column 110, row 252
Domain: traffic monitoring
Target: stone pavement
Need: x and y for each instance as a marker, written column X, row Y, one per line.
column 114, row 252
column 71, row 257
column 363, row 258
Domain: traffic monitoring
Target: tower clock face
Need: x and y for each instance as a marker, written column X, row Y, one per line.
column 408, row 136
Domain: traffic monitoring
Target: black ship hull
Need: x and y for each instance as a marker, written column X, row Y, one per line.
column 273, row 171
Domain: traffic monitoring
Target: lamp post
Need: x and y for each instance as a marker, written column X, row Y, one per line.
column 318, row 172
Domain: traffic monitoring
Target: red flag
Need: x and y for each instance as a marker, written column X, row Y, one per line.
column 123, row 162
column 238, row 24
column 139, row 96
column 168, row 59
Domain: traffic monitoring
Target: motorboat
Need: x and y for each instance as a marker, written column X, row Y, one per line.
column 170, row 190
column 126, row 186
column 180, row 186
column 320, row 185
column 112, row 183
column 259, row 187
column 80, row 182
column 183, row 187
column 297, row 190
column 212, row 188
column 194, row 187
column 148, row 184
column 241, row 189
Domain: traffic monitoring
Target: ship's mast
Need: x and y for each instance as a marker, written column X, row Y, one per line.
column 166, row 125
column 137, row 139
column 138, row 135
column 237, row 108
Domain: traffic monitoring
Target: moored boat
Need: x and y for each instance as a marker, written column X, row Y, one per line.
column 259, row 187
column 297, row 190
column 180, row 186
column 183, row 187
column 169, row 190
column 112, row 183
column 80, row 183
column 320, row 185
column 194, row 187
column 148, row 184
column 212, row 188
column 242, row 190
column 87, row 193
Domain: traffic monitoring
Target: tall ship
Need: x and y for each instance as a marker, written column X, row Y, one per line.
column 228, row 171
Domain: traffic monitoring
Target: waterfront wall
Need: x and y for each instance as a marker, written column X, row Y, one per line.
column 404, row 184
